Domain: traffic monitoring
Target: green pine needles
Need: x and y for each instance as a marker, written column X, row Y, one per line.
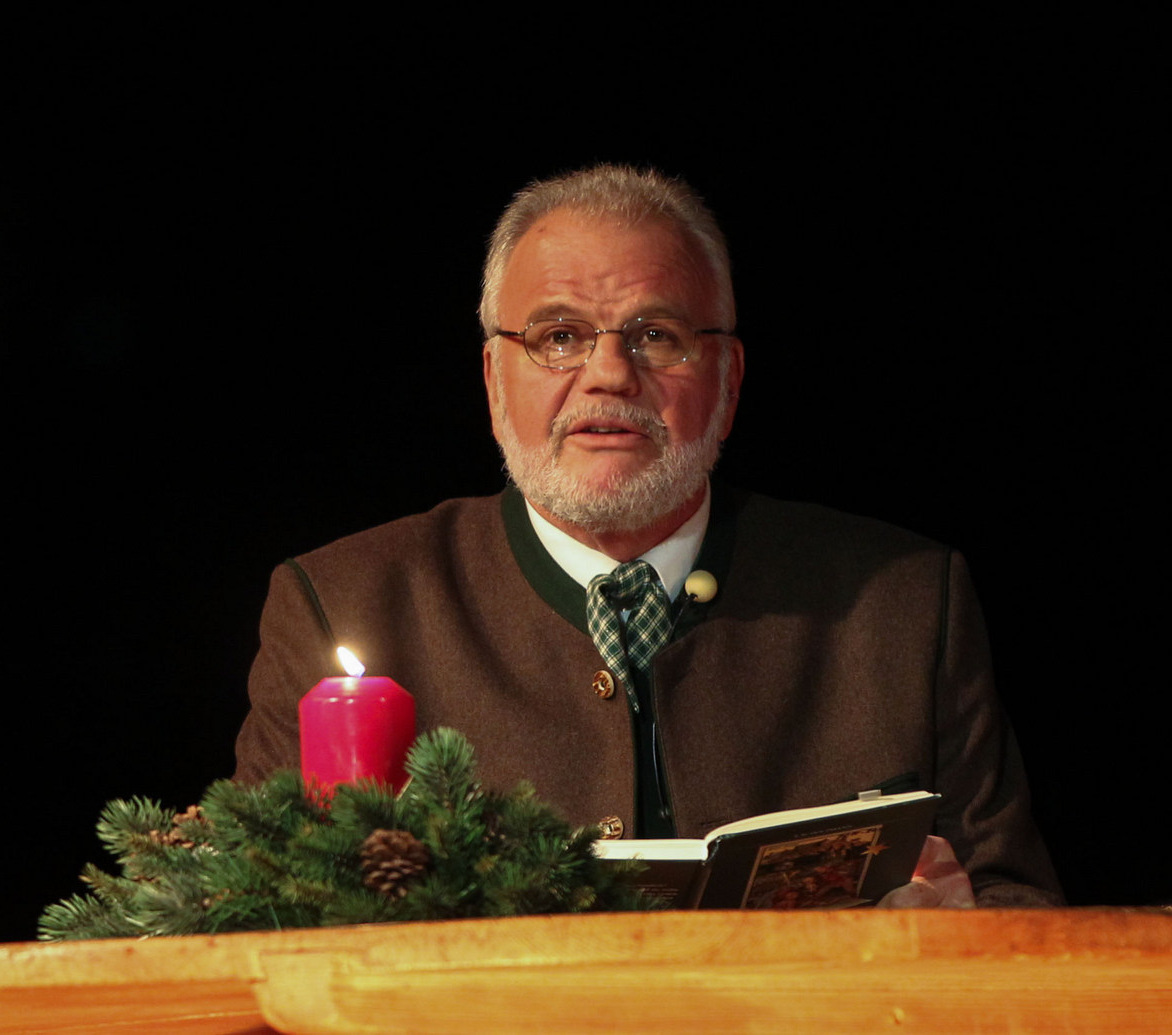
column 251, row 858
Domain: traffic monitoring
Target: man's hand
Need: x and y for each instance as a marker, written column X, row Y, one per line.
column 938, row 883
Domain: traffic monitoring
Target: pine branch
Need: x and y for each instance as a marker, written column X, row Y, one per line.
column 131, row 829
column 442, row 766
column 268, row 814
column 112, row 891
column 172, row 906
column 363, row 807
column 256, row 858
column 360, row 906
column 84, row 916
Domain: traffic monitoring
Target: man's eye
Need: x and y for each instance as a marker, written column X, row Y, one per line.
column 560, row 338
column 656, row 336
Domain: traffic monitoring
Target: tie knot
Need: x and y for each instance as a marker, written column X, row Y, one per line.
column 628, row 584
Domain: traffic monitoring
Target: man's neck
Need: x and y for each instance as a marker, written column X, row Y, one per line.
column 626, row 546
column 673, row 559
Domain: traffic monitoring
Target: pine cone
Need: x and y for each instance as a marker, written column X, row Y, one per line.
column 173, row 836
column 391, row 858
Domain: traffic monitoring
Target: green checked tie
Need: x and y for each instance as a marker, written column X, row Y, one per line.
column 632, row 587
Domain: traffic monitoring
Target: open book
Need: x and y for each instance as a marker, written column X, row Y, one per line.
column 830, row 857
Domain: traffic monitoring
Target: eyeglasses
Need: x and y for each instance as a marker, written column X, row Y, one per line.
column 651, row 341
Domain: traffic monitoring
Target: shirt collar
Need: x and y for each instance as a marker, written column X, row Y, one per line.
column 672, row 559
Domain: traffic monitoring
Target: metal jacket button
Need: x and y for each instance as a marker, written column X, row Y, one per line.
column 603, row 684
column 610, row 828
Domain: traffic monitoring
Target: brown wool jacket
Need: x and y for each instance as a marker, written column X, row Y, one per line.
column 839, row 654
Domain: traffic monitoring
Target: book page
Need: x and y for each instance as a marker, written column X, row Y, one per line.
column 772, row 819
column 687, row 848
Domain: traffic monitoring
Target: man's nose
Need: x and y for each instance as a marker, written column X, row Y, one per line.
column 611, row 367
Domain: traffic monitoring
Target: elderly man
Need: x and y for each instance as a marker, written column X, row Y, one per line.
column 817, row 655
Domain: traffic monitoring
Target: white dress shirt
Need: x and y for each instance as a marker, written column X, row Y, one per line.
column 672, row 559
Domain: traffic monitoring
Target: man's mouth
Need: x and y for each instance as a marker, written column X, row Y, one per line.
column 610, row 422
column 605, row 429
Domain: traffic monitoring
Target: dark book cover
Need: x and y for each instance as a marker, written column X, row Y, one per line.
column 833, row 857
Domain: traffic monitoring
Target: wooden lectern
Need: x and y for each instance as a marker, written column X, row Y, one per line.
column 861, row 970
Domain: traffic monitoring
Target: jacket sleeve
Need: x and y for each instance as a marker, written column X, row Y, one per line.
column 296, row 650
column 986, row 806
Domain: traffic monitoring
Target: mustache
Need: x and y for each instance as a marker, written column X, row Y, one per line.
column 649, row 423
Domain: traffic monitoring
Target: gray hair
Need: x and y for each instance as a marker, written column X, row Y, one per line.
column 618, row 191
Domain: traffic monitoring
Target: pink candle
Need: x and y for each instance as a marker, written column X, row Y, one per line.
column 356, row 727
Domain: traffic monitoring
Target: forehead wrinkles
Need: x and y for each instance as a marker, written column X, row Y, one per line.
column 648, row 286
column 590, row 263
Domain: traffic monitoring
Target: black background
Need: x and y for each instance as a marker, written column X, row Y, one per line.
column 240, row 271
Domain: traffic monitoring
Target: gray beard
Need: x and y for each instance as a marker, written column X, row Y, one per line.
column 623, row 503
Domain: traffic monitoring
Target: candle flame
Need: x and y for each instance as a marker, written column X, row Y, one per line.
column 350, row 662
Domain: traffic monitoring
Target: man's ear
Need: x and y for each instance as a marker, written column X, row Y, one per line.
column 736, row 374
column 492, row 386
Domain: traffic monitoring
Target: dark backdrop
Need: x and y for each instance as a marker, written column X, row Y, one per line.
column 239, row 292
